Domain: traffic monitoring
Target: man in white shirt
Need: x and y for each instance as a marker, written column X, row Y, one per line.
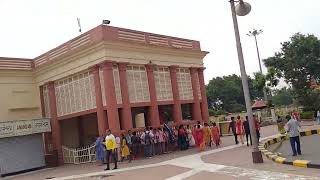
column 293, row 131
column 111, row 150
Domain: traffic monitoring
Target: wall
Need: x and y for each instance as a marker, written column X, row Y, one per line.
column 70, row 132
column 120, row 52
column 90, row 127
column 19, row 96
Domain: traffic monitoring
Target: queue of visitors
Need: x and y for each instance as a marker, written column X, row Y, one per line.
column 154, row 141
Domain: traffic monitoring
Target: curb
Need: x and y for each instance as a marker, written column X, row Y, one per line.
column 281, row 160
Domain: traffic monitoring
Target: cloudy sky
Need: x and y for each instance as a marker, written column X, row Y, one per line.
column 30, row 28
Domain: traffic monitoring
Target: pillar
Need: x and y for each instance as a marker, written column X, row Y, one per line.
column 126, row 116
column 153, row 109
column 196, row 111
column 55, row 126
column 111, row 99
column 177, row 114
column 204, row 102
column 101, row 114
column 47, row 138
column 43, row 113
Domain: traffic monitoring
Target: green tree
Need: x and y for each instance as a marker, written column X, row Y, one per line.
column 298, row 62
column 282, row 97
column 229, row 90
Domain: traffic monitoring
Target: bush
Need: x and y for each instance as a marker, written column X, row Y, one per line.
column 213, row 112
column 306, row 115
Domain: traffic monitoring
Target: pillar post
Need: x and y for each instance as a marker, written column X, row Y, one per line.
column 153, row 109
column 126, row 116
column 111, row 99
column 204, row 102
column 47, row 138
column 43, row 113
column 101, row 114
column 177, row 114
column 196, row 111
column 55, row 126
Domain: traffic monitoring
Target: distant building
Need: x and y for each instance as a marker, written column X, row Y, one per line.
column 107, row 78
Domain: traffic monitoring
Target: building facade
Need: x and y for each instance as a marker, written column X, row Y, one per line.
column 107, row 78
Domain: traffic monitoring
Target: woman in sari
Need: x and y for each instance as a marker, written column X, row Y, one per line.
column 215, row 135
column 199, row 137
column 100, row 150
column 207, row 135
column 240, row 129
column 182, row 138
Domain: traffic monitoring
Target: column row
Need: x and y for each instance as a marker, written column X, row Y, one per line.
column 110, row 119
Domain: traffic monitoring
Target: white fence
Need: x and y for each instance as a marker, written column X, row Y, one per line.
column 80, row 155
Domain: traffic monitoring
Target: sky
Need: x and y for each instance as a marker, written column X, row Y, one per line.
column 30, row 28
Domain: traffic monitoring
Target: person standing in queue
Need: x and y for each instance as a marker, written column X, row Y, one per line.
column 232, row 126
column 111, row 150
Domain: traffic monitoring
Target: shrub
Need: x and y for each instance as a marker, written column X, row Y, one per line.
column 306, row 115
column 213, row 112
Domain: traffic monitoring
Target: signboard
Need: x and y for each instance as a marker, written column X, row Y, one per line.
column 24, row 127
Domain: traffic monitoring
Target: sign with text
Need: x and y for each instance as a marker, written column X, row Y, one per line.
column 24, row 127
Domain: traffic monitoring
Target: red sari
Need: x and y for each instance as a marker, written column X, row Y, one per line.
column 215, row 135
column 198, row 136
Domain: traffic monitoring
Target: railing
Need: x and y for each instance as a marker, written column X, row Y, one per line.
column 80, row 155
column 15, row 64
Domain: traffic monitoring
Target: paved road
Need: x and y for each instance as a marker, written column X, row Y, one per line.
column 229, row 162
column 310, row 147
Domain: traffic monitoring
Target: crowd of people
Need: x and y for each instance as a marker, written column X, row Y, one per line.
column 241, row 127
column 154, row 141
column 157, row 141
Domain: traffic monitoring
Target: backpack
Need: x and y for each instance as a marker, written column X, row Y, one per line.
column 147, row 138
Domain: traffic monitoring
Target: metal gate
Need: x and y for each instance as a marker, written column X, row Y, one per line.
column 79, row 155
column 21, row 153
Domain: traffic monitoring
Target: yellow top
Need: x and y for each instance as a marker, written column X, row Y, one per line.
column 111, row 142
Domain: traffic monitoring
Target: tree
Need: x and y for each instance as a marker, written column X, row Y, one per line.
column 228, row 89
column 282, row 97
column 298, row 62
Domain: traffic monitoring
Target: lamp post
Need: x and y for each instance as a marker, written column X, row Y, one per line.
column 243, row 9
column 254, row 33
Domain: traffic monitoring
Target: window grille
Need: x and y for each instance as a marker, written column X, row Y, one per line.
column 138, row 84
column 163, row 83
column 184, row 84
column 75, row 94
column 116, row 79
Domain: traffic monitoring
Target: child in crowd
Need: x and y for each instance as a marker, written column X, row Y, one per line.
column 125, row 153
column 118, row 153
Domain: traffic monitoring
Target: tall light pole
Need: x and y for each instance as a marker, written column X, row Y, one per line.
column 254, row 33
column 243, row 9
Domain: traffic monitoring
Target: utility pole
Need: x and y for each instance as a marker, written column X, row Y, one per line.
column 254, row 33
column 243, row 9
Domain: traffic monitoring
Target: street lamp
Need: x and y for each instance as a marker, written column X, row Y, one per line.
column 254, row 33
column 243, row 9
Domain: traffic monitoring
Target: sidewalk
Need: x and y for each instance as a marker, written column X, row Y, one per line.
column 190, row 164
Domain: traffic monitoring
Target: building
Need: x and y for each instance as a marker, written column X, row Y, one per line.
column 107, row 78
